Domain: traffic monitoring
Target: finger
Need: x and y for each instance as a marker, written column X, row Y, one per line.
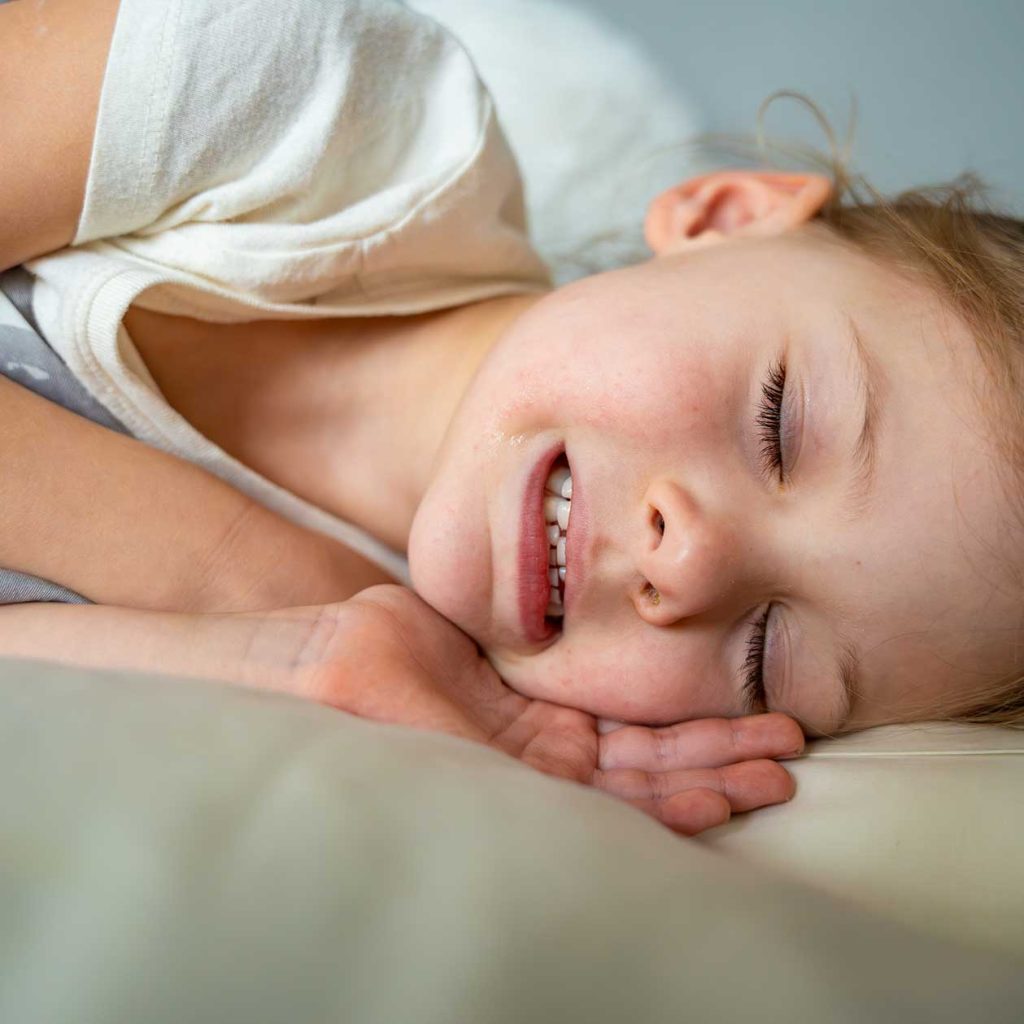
column 690, row 812
column 701, row 743
column 605, row 725
column 745, row 786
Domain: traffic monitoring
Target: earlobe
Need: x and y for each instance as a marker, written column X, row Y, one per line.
column 727, row 204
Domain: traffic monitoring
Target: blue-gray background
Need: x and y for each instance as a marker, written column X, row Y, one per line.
column 939, row 83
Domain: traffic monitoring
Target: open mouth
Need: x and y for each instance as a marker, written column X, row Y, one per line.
column 543, row 542
column 556, row 510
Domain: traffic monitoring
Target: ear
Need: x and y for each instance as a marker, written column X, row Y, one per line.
column 730, row 204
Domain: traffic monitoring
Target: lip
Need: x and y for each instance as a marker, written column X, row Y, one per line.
column 532, row 584
column 575, row 542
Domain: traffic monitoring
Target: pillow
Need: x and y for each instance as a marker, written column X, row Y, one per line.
column 185, row 851
column 923, row 823
column 595, row 124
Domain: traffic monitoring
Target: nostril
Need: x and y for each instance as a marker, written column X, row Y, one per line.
column 658, row 521
column 650, row 592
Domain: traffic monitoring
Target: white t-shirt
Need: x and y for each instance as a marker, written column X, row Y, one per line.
column 268, row 160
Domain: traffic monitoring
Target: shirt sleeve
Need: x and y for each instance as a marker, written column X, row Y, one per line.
column 277, row 148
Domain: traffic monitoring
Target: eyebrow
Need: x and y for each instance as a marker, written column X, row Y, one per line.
column 865, row 450
column 864, row 458
column 849, row 679
column 848, row 674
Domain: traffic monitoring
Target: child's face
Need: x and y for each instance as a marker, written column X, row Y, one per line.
column 888, row 555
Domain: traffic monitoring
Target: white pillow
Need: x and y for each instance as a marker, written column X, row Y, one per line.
column 595, row 124
column 923, row 823
column 182, row 851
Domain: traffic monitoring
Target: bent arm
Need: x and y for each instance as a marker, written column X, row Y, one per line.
column 125, row 524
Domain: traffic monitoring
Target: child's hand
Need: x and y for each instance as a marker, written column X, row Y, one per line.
column 695, row 775
column 387, row 655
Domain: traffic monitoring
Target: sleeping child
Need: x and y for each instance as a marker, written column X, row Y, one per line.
column 290, row 401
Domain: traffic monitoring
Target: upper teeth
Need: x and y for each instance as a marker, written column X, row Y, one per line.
column 557, row 508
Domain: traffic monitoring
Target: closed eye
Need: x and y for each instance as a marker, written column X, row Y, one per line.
column 769, row 421
column 755, row 698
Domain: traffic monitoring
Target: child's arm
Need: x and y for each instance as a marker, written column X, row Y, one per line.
column 385, row 655
column 52, row 59
column 125, row 524
column 247, row 648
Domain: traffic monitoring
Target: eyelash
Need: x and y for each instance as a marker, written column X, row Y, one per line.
column 753, row 665
column 769, row 420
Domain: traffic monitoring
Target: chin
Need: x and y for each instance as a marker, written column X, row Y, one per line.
column 541, row 683
column 532, row 676
column 522, row 680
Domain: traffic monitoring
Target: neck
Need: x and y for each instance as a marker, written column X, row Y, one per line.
column 394, row 392
column 349, row 414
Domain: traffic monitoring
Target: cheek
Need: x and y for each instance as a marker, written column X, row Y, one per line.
column 444, row 533
column 651, row 397
column 625, row 370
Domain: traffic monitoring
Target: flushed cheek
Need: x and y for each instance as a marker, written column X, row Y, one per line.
column 449, row 552
column 688, row 396
column 653, row 408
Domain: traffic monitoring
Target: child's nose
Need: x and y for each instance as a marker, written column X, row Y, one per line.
column 689, row 557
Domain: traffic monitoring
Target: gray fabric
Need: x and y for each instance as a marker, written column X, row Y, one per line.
column 21, row 588
column 17, row 284
column 27, row 359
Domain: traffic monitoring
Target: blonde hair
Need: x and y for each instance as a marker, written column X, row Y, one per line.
column 973, row 256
